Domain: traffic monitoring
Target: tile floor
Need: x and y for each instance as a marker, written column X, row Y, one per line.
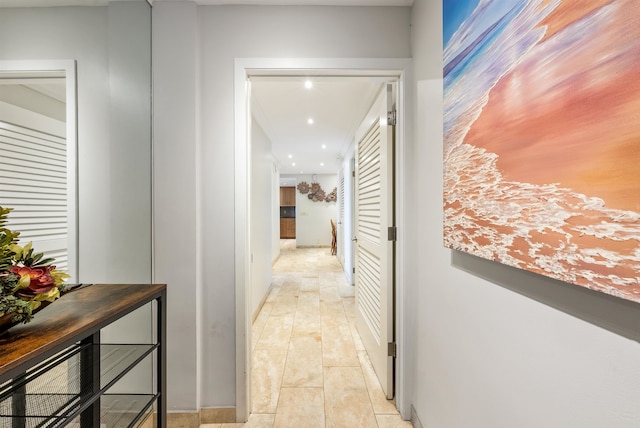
column 309, row 366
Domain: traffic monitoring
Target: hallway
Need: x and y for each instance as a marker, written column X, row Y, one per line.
column 309, row 366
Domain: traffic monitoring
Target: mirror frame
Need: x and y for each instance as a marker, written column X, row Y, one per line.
column 69, row 69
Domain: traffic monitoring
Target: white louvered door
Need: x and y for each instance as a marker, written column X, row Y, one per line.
column 341, row 218
column 33, row 181
column 374, row 251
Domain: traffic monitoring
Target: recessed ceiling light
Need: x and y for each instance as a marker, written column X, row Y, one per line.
column 310, row 121
column 290, row 156
column 321, row 163
column 293, row 164
column 324, row 146
column 308, row 84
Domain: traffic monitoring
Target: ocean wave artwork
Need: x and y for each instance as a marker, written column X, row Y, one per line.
column 542, row 137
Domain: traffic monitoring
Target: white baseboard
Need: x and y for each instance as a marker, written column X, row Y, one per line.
column 259, row 308
column 414, row 419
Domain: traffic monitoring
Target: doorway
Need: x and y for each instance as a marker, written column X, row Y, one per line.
column 244, row 68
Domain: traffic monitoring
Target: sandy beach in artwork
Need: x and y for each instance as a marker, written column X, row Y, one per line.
column 574, row 122
column 542, row 140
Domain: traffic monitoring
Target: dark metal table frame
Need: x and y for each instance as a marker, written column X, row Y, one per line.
column 78, row 317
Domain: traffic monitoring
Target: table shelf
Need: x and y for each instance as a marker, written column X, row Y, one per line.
column 73, row 379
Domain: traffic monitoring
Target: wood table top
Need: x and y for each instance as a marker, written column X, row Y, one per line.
column 76, row 315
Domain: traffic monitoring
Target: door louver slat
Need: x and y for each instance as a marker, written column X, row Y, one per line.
column 33, row 181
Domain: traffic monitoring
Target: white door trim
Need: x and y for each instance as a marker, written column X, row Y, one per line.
column 399, row 68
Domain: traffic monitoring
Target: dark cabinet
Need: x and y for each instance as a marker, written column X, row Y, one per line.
column 287, row 196
column 287, row 228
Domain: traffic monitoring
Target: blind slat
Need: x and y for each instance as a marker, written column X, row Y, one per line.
column 33, row 181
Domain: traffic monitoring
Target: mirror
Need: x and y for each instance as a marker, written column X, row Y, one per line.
column 38, row 156
column 101, row 53
column 110, row 44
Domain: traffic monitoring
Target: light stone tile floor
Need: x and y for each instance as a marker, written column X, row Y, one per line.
column 310, row 368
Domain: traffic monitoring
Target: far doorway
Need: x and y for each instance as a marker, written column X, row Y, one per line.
column 312, row 206
column 244, row 203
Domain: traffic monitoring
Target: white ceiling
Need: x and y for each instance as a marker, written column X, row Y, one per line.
column 52, row 3
column 337, row 105
column 47, row 3
column 304, row 2
column 48, row 83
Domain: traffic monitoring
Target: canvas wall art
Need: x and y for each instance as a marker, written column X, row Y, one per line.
column 542, row 137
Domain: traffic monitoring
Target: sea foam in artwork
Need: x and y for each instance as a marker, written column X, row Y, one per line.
column 541, row 146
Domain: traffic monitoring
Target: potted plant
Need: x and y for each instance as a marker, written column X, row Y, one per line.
column 28, row 280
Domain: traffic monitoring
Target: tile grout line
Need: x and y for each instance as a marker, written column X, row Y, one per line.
column 330, row 280
column 286, row 358
column 322, row 345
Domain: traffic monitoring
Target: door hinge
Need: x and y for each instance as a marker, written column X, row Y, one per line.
column 392, row 117
column 353, row 173
column 354, row 270
column 392, row 349
column 392, row 233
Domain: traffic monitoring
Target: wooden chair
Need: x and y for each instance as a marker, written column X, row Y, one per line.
column 334, row 239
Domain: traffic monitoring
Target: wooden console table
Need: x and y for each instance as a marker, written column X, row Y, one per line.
column 64, row 339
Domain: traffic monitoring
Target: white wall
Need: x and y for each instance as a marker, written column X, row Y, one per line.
column 223, row 34
column 177, row 213
column 313, row 219
column 275, row 214
column 494, row 346
column 129, row 42
column 31, row 100
column 261, row 208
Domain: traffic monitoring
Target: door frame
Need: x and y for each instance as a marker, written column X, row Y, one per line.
column 244, row 68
